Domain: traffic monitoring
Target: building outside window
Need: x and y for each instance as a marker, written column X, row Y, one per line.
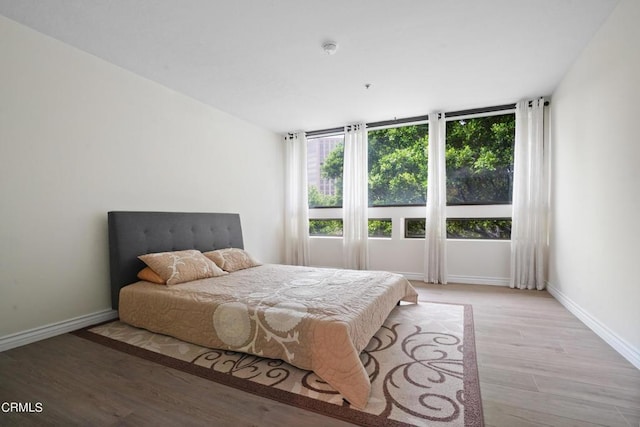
column 324, row 190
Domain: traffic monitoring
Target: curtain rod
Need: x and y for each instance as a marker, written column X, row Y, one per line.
column 402, row 121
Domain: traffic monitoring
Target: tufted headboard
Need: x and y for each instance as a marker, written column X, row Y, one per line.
column 137, row 233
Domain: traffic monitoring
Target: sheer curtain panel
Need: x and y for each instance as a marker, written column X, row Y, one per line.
column 435, row 249
column 355, row 198
column 530, row 198
column 296, row 201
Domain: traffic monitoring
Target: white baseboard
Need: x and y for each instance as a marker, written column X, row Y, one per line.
column 477, row 280
column 619, row 344
column 36, row 334
column 412, row 276
column 470, row 280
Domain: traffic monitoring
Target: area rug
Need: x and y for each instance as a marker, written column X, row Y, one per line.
column 422, row 365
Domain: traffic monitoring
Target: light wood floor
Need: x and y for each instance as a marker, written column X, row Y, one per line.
column 538, row 366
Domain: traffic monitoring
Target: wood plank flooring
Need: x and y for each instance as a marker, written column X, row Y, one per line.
column 538, row 364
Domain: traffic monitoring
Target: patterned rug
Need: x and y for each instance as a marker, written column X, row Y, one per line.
column 422, row 365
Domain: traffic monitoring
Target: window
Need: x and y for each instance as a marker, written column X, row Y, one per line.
column 414, row 228
column 325, row 227
column 479, row 228
column 464, row 228
column 324, row 171
column 333, row 227
column 398, row 166
column 479, row 156
column 380, row 227
column 479, row 162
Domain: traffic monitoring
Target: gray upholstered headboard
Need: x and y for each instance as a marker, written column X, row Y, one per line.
column 137, row 233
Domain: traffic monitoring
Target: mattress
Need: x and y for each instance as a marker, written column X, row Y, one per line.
column 315, row 319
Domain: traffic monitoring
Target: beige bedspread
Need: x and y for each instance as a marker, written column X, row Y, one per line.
column 315, row 319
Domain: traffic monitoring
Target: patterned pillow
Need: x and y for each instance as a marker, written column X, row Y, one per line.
column 181, row 266
column 148, row 275
column 232, row 259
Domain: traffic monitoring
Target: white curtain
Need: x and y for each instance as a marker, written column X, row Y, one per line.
column 435, row 263
column 355, row 198
column 530, row 198
column 296, row 201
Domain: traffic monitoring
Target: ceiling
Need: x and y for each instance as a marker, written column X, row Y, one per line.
column 262, row 60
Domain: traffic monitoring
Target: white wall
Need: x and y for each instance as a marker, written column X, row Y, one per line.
column 468, row 261
column 80, row 137
column 595, row 235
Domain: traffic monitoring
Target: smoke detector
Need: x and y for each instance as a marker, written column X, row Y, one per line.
column 330, row 47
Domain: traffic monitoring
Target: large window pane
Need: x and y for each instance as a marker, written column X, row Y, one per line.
column 479, row 155
column 324, row 170
column 398, row 166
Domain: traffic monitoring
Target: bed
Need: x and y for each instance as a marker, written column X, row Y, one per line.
column 315, row 319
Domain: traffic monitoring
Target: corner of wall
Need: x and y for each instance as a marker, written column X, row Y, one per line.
column 618, row 343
